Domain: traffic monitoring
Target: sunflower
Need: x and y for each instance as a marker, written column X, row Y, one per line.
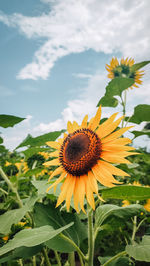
column 123, row 69
column 85, row 156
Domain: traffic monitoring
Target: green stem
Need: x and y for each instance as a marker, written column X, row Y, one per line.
column 90, row 238
column 20, row 262
column 57, row 258
column 10, row 185
column 34, row 260
column 81, row 260
column 4, row 191
column 134, row 228
column 115, row 257
column 74, row 245
column 71, row 259
column 46, row 257
column 4, row 176
column 124, row 106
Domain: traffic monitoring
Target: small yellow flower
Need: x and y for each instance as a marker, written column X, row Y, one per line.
column 125, row 203
column 85, row 155
column 5, row 238
column 123, row 69
column 147, row 205
column 44, row 154
column 7, row 163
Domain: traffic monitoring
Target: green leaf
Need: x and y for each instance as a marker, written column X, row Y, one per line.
column 49, row 215
column 1, row 140
column 140, row 133
column 43, row 185
column 122, row 261
column 140, row 251
column 9, row 120
column 115, row 87
column 14, row 216
column 141, row 113
column 31, row 151
column 32, row 237
column 22, row 252
column 2, row 149
column 108, row 101
column 40, row 140
column 137, row 66
column 127, row 192
column 105, row 211
column 118, row 85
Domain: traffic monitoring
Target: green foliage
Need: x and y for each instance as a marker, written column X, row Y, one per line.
column 129, row 192
column 49, row 215
column 137, row 66
column 141, row 114
column 140, row 133
column 14, row 216
column 140, row 251
column 40, row 140
column 32, row 237
column 9, row 120
column 115, row 88
column 104, row 212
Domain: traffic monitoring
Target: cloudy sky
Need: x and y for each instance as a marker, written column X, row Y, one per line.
column 53, row 55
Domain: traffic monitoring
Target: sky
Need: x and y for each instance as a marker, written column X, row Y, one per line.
column 53, row 55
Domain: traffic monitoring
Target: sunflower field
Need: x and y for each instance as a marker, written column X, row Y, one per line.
column 80, row 196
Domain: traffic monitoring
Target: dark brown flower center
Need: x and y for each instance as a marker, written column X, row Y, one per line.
column 80, row 152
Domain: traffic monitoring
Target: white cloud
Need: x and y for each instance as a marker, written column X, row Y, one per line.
column 73, row 26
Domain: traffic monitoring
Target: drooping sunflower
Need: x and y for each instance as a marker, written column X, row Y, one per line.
column 123, row 69
column 85, row 156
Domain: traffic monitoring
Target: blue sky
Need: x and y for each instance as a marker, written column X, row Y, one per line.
column 53, row 56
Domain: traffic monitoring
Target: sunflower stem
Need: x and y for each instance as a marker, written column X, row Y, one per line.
column 134, row 228
column 4, row 176
column 115, row 257
column 3, row 191
column 90, row 238
column 124, row 106
column 74, row 245
column 71, row 258
column 57, row 258
column 46, row 257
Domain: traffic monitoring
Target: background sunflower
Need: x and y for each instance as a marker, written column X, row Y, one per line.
column 124, row 69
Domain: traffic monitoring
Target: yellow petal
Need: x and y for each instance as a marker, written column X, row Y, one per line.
column 92, row 182
column 112, row 169
column 57, row 171
column 54, row 154
column 100, row 177
column 115, row 148
column 116, row 134
column 75, row 126
column 63, row 193
column 120, row 141
column 110, row 128
column 70, row 191
column 89, row 193
column 96, row 120
column 76, row 195
column 107, row 156
column 104, row 125
column 52, row 162
column 84, row 122
column 70, row 127
column 81, row 184
column 53, row 144
column 60, row 179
